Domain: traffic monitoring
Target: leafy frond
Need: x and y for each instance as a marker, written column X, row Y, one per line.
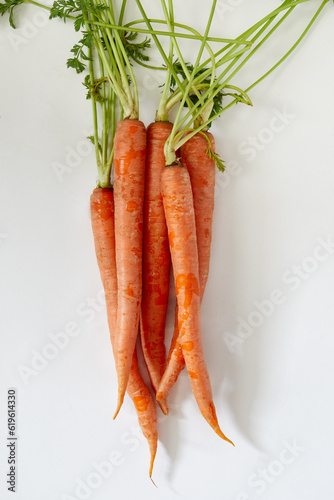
column 9, row 6
column 215, row 156
column 86, row 84
column 93, row 89
column 65, row 8
column 80, row 57
column 205, row 84
column 79, row 23
column 135, row 51
column 92, row 140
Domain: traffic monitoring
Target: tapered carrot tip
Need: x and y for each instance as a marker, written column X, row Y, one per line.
column 119, row 404
column 163, row 406
column 153, row 482
column 158, row 396
column 222, row 435
column 153, row 453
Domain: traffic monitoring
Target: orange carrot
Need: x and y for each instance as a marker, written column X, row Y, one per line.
column 129, row 181
column 201, row 169
column 102, row 216
column 145, row 408
column 156, row 259
column 180, row 217
column 175, row 363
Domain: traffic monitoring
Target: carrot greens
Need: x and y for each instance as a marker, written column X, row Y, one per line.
column 210, row 104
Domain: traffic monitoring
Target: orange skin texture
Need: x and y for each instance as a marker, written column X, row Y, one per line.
column 156, row 259
column 129, row 183
column 180, row 217
column 202, row 176
column 102, row 217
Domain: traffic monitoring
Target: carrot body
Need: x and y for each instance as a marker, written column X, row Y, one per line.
column 129, row 181
column 180, row 217
column 202, row 171
column 156, row 259
column 202, row 176
column 175, row 363
column 102, row 216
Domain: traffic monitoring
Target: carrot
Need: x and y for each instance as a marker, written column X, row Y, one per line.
column 201, row 169
column 180, row 217
column 156, row 259
column 129, row 181
column 102, row 216
column 145, row 408
column 175, row 363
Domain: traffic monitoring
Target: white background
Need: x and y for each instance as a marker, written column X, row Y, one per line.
column 274, row 205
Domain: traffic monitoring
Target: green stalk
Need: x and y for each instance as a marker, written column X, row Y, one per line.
column 169, row 150
column 165, row 103
column 135, row 98
column 175, row 34
column 95, row 122
column 113, row 127
column 162, row 113
column 107, row 38
column 176, row 45
column 292, row 48
column 118, row 89
column 191, row 114
column 104, row 141
column 267, row 20
column 197, row 82
column 38, row 4
column 183, row 140
column 120, row 64
column 128, row 27
column 162, row 52
column 122, row 12
column 230, row 55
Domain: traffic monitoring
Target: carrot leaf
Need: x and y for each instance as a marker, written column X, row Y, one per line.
column 215, row 156
column 91, row 138
column 206, row 83
column 80, row 57
column 93, row 89
column 65, row 8
column 9, row 7
column 135, row 51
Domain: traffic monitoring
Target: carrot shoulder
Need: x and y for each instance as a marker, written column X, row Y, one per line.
column 156, row 259
column 129, row 181
column 102, row 217
column 201, row 170
column 180, row 217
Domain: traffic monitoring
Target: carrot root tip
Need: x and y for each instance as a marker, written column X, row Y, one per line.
column 163, row 406
column 119, row 405
column 222, row 435
column 151, row 466
column 153, row 481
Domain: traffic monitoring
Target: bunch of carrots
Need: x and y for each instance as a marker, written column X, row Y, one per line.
column 152, row 209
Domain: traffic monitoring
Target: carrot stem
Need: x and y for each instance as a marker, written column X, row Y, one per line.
column 193, row 113
column 292, row 48
column 169, row 150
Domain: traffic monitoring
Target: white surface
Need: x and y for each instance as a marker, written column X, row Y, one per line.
column 272, row 390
